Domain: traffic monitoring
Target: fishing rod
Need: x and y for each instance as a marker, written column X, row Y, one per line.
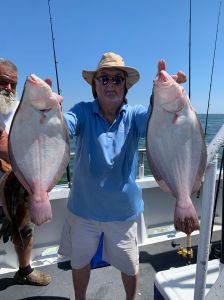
column 53, row 45
column 56, row 73
column 213, row 63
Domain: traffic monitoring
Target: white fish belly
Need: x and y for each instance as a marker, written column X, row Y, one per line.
column 38, row 148
column 175, row 146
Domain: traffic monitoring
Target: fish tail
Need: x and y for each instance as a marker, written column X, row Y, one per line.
column 185, row 218
column 40, row 211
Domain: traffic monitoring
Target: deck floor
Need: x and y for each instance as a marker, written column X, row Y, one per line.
column 105, row 283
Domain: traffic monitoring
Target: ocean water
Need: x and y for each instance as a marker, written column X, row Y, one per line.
column 214, row 123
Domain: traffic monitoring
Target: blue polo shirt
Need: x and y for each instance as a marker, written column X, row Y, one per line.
column 105, row 165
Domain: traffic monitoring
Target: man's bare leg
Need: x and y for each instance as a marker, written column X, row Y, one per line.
column 24, row 254
column 80, row 282
column 130, row 285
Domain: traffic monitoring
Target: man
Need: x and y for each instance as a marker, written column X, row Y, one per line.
column 8, row 105
column 105, row 197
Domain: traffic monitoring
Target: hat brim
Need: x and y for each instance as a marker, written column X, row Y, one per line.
column 132, row 75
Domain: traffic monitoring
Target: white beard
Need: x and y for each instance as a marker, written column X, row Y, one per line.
column 7, row 102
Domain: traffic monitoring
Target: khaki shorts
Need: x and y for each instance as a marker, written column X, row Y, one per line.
column 80, row 238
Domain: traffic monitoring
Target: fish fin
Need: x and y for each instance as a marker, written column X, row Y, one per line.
column 163, row 186
column 17, row 172
column 64, row 161
column 157, row 174
column 201, row 170
column 197, row 183
column 152, row 100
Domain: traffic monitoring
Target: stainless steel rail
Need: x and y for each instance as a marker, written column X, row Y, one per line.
column 141, row 164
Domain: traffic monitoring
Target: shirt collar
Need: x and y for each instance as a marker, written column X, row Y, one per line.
column 96, row 108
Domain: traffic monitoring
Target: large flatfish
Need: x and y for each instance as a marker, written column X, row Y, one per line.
column 176, row 150
column 15, row 202
column 38, row 145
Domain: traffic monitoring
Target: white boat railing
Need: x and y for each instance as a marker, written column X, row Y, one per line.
column 206, row 218
column 143, row 169
column 141, row 162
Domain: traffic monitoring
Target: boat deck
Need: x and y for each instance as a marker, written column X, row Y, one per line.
column 105, row 282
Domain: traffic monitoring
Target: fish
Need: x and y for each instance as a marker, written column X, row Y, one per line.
column 13, row 197
column 15, row 201
column 39, row 148
column 175, row 147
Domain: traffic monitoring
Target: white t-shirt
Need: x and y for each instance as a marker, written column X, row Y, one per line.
column 7, row 119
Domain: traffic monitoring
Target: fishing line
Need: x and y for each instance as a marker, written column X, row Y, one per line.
column 213, row 63
column 206, row 123
column 217, row 195
column 56, row 73
column 210, row 86
column 189, row 59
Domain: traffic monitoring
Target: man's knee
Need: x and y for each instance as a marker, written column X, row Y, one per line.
column 27, row 231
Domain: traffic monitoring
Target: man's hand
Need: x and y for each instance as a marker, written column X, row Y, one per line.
column 4, row 146
column 180, row 77
column 48, row 81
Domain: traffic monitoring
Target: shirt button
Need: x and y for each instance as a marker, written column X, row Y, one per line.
column 109, row 134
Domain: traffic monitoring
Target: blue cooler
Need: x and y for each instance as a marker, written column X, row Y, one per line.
column 96, row 261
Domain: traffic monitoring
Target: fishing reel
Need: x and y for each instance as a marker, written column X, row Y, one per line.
column 186, row 252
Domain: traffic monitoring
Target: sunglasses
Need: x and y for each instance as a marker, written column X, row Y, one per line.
column 104, row 79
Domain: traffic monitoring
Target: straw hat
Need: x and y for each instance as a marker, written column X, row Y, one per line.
column 113, row 60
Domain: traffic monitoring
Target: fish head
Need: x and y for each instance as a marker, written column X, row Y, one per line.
column 168, row 94
column 39, row 93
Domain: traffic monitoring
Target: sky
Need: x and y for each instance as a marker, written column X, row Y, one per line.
column 142, row 31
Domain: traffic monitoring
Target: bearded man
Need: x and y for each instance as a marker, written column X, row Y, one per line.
column 8, row 105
